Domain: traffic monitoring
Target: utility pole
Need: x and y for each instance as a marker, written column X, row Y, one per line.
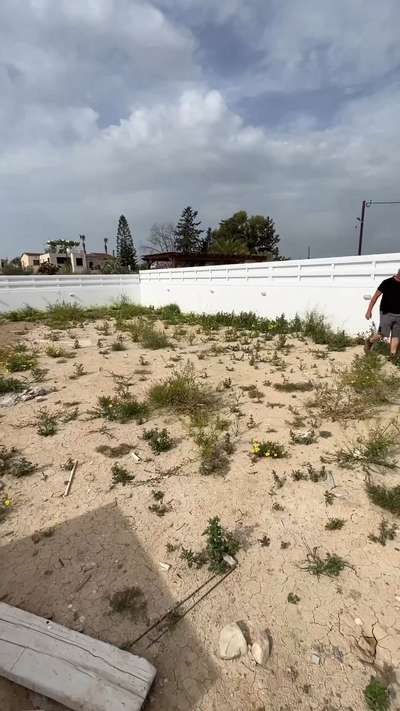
column 361, row 219
column 308, row 252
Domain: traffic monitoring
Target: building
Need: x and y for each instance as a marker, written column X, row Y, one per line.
column 96, row 260
column 75, row 260
column 168, row 260
column 30, row 260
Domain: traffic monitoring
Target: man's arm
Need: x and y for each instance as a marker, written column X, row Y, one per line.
column 372, row 303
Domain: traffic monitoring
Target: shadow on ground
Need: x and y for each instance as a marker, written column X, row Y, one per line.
column 70, row 576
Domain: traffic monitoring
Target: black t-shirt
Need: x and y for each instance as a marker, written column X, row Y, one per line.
column 390, row 290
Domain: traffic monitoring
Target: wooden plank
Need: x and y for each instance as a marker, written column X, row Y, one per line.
column 82, row 673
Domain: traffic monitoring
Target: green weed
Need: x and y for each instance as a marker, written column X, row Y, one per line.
column 293, row 598
column 46, row 423
column 334, row 524
column 10, row 385
column 122, row 407
column 131, row 602
column 120, row 475
column 214, row 451
column 331, row 566
column 118, row 344
column 159, row 507
column 387, row 532
column 12, row 463
column 18, row 359
column 58, row 352
column 384, row 496
column 288, row 387
column 183, row 393
column 268, row 449
column 376, row 695
column 79, row 370
column 374, row 448
column 159, row 440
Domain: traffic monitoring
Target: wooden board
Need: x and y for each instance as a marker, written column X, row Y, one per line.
column 82, row 673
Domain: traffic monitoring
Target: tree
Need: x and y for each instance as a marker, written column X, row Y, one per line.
column 244, row 234
column 206, row 241
column 187, row 232
column 161, row 238
column 126, row 252
column 48, row 268
column 61, row 245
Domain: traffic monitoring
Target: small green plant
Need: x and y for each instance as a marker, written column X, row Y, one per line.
column 298, row 475
column 38, row 374
column 268, row 449
column 288, row 387
column 159, row 440
column 183, row 393
column 5, row 507
column 46, row 423
column 334, row 524
column 367, row 377
column 193, row 559
column 307, row 437
column 10, row 385
column 293, row 598
column 214, row 451
column 122, row 407
column 279, row 481
column 70, row 415
column 118, row 344
column 18, row 359
column 253, row 392
column 338, row 403
column 219, row 543
column 58, row 352
column 130, row 602
column 276, row 506
column 315, row 475
column 120, row 474
column 79, row 370
column 12, row 463
column 331, row 566
column 153, row 339
column 120, row 450
column 387, row 532
column 384, row 496
column 375, row 448
column 76, row 344
column 159, row 507
column 329, row 497
column 376, row 695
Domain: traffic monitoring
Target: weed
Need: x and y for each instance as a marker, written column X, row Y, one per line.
column 58, row 352
column 123, row 407
column 332, row 565
column 219, row 542
column 10, row 385
column 71, row 415
column 277, row 506
column 336, row 402
column 293, row 598
column 14, row 464
column 375, row 448
column 285, row 545
column 367, row 378
column 171, row 547
column 5, row 507
column 104, row 328
column 79, row 370
column 76, row 344
column 46, row 423
column 329, row 497
column 159, row 440
column 267, row 448
column 376, row 695
column 213, row 451
column 68, row 464
column 120, row 450
column 298, row 475
column 118, row 344
column 288, row 387
column 153, row 339
column 251, row 423
column 307, row 437
column 18, row 359
column 314, row 326
column 384, row 496
column 335, row 524
column 265, row 541
column 159, row 507
column 253, row 392
column 183, row 393
column 120, row 475
column 315, row 475
column 193, row 559
column 387, row 532
column 38, row 374
column 279, row 481
column 131, row 602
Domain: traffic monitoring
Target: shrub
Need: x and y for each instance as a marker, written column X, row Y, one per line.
column 14, row 464
column 387, row 532
column 58, row 352
column 18, row 359
column 384, row 496
column 183, row 393
column 159, row 440
column 120, row 474
column 367, row 377
column 213, row 451
column 288, row 387
column 267, row 448
column 375, row 448
column 376, row 695
column 153, row 339
column 331, row 566
column 121, row 408
column 334, row 524
column 46, row 423
column 10, row 385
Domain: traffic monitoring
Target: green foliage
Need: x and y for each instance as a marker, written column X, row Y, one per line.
column 159, row 507
column 126, row 252
column 293, row 598
column 118, row 451
column 159, row 440
column 267, row 448
column 18, row 359
column 61, row 245
column 219, row 542
column 153, row 339
column 288, row 387
column 121, row 408
column 387, row 532
column 367, row 377
column 314, row 326
column 331, row 566
column 10, row 385
column 58, row 352
column 64, row 315
column 79, row 370
column 337, row 403
column 242, row 234
column 375, row 448
column 187, row 232
column 385, row 496
column 376, row 695
column 118, row 344
column 46, row 423
column 183, row 393
column 26, row 313
column 193, row 559
column 214, row 451
column 120, row 474
column 14, row 464
column 334, row 524
column 131, row 602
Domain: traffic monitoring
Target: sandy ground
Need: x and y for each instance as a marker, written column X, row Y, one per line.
column 106, row 539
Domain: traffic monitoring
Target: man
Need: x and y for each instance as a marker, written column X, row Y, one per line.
column 389, row 325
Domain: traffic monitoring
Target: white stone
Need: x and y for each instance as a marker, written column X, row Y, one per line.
column 316, row 659
column 261, row 648
column 232, row 643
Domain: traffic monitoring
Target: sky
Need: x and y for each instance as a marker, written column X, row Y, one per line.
column 287, row 108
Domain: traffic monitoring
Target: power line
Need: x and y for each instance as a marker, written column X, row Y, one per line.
column 361, row 219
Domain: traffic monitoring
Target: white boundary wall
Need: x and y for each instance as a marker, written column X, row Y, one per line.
column 87, row 290
column 338, row 287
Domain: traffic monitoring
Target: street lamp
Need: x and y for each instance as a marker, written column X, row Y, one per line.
column 361, row 220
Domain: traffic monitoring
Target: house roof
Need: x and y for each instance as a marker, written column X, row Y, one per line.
column 31, row 254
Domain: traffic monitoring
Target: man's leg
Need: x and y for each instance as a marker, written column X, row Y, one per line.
column 371, row 340
column 394, row 345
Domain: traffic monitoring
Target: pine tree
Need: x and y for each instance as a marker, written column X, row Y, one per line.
column 126, row 252
column 187, row 232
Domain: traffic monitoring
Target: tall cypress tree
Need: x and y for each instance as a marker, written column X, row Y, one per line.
column 187, row 232
column 126, row 252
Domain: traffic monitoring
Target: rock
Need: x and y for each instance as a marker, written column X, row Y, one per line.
column 232, row 642
column 261, row 648
column 229, row 560
column 315, row 658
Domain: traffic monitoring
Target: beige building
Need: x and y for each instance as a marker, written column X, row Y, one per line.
column 30, row 260
column 75, row 260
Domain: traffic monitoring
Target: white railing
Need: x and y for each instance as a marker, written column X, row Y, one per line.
column 338, row 287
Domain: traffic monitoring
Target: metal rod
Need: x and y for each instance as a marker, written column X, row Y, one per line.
column 360, row 239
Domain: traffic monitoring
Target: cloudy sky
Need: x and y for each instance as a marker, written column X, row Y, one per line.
column 289, row 108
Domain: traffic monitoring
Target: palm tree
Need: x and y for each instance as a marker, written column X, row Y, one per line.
column 83, row 240
column 105, row 244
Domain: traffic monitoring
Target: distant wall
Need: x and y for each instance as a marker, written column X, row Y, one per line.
column 87, row 290
column 339, row 288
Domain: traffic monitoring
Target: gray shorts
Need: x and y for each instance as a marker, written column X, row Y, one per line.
column 389, row 325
